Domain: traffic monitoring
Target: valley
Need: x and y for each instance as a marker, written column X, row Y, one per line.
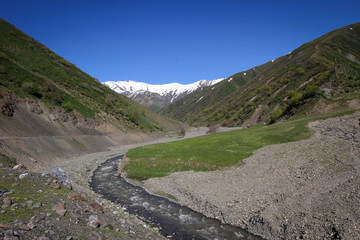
column 273, row 150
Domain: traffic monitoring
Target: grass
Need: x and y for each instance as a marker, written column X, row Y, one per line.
column 212, row 152
column 30, row 188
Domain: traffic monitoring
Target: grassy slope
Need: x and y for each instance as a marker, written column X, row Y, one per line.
column 283, row 87
column 215, row 151
column 29, row 69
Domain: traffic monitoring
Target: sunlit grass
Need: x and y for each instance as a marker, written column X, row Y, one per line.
column 212, row 152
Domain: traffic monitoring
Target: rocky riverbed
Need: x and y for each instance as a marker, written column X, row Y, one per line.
column 300, row 190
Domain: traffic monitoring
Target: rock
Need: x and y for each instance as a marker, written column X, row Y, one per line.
column 69, row 238
column 60, row 209
column 1, row 165
column 38, row 205
column 109, row 226
column 25, row 227
column 55, row 185
column 11, row 235
column 34, row 220
column 7, row 201
column 3, row 225
column 62, row 177
column 24, row 175
column 96, row 206
column 20, row 168
column 75, row 196
column 93, row 221
column 29, row 203
column 43, row 238
column 78, row 197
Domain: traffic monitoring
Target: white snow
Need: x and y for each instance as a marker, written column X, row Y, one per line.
column 244, row 73
column 230, row 79
column 133, row 88
column 212, row 88
column 200, row 98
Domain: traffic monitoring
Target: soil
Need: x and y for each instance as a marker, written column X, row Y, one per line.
column 300, row 190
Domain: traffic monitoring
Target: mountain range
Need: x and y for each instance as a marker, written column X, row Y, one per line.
column 156, row 97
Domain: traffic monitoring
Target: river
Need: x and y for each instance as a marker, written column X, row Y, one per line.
column 173, row 220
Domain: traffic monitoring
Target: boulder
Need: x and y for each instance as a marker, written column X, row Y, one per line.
column 19, row 167
column 59, row 209
column 24, row 175
column 61, row 176
column 93, row 221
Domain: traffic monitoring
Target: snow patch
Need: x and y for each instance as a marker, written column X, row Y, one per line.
column 132, row 88
column 212, row 88
column 200, row 99
column 230, row 79
column 244, row 73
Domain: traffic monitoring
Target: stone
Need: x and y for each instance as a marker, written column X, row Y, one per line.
column 75, row 196
column 69, row 238
column 38, row 205
column 61, row 176
column 29, row 203
column 109, row 226
column 24, row 175
column 3, row 225
column 34, row 220
column 93, row 221
column 55, row 185
column 11, row 235
column 1, row 165
column 59, row 209
column 25, row 227
column 43, row 238
column 19, row 167
column 78, row 197
column 7, row 201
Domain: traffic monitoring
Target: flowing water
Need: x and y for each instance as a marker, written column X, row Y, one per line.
column 171, row 218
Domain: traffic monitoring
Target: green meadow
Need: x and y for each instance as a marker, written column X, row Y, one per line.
column 215, row 151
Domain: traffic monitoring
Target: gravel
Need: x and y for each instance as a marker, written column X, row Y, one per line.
column 300, row 190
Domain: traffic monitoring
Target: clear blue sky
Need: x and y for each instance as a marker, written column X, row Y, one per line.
column 162, row 41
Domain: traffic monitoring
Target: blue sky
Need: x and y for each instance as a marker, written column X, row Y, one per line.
column 163, row 41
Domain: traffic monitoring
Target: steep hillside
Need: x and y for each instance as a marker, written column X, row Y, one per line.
column 28, row 69
column 318, row 76
column 156, row 97
column 50, row 109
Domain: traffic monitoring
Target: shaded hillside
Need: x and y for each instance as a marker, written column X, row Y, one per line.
column 30, row 70
column 51, row 110
column 320, row 73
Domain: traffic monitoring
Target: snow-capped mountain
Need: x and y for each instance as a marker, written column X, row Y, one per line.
column 157, row 96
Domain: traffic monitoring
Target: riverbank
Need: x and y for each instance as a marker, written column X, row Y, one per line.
column 300, row 190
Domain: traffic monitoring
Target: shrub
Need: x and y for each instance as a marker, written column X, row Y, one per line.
column 181, row 132
column 213, row 129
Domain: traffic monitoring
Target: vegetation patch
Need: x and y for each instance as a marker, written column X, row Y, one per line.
column 215, row 151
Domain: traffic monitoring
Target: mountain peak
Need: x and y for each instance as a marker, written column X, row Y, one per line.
column 157, row 96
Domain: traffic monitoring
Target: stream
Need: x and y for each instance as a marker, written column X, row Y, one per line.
column 173, row 220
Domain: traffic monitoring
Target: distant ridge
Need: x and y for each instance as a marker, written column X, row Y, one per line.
column 157, row 97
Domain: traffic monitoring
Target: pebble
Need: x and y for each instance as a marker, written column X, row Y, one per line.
column 59, row 209
column 93, row 221
column 22, row 176
column 38, row 205
column 7, row 201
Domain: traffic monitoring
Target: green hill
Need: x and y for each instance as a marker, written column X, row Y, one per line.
column 316, row 77
column 29, row 70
